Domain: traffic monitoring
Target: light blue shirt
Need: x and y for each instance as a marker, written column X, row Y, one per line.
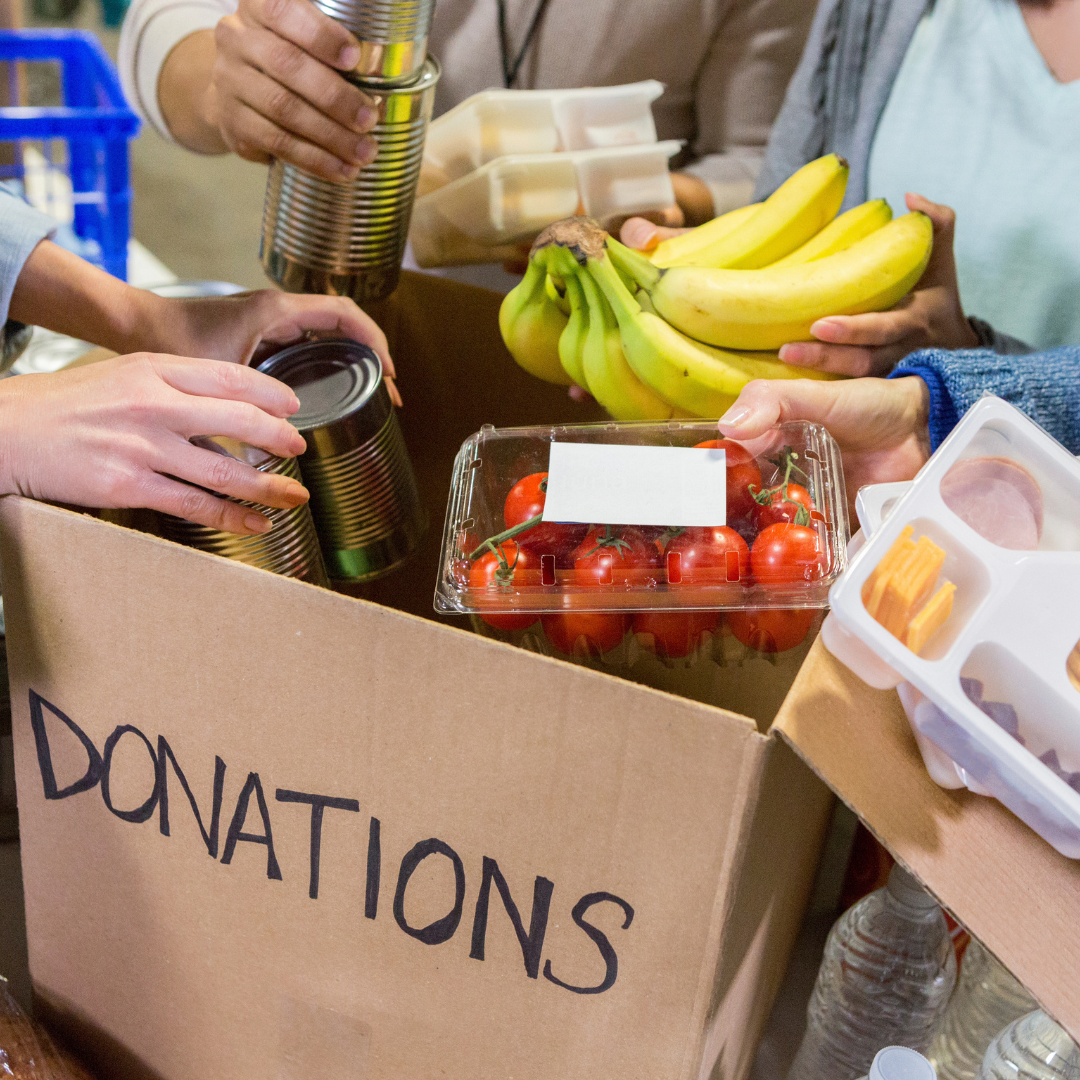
column 976, row 120
column 22, row 228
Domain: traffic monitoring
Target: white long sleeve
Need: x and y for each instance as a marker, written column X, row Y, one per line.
column 152, row 29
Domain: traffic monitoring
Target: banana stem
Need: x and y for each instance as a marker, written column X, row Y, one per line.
column 625, row 307
column 644, row 272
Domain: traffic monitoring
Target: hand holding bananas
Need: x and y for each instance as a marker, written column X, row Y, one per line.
column 931, row 315
column 881, row 425
column 683, row 331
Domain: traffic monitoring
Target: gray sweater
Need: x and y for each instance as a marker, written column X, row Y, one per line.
column 836, row 98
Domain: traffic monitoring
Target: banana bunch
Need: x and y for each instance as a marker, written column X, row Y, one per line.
column 681, row 331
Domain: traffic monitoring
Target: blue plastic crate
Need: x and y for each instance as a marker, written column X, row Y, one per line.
column 85, row 140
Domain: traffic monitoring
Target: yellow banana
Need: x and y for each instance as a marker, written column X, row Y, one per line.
column 611, row 380
column 705, row 234
column 531, row 326
column 572, row 339
column 801, row 207
column 841, row 233
column 699, row 379
column 764, row 309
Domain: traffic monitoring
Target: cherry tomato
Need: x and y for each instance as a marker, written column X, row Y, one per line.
column 588, row 632
column 783, row 505
column 708, row 555
column 498, row 571
column 526, row 501
column 786, row 552
column 675, row 633
column 771, row 630
column 615, row 556
column 742, row 472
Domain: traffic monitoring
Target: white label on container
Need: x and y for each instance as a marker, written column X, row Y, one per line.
column 608, row 484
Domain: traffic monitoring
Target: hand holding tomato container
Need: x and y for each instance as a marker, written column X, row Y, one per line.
column 671, row 553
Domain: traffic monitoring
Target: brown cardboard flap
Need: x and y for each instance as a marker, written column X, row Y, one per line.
column 1004, row 883
column 186, row 950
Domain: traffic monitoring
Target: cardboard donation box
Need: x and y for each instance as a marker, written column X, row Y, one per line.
column 269, row 831
column 272, row 831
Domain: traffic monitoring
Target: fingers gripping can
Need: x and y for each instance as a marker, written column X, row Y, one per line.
column 364, row 497
column 290, row 548
column 393, row 34
column 348, row 239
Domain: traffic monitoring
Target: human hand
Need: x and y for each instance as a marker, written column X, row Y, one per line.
column 248, row 327
column 276, row 89
column 881, row 425
column 931, row 315
column 114, row 434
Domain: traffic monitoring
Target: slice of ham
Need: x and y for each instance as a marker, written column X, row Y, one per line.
column 998, row 498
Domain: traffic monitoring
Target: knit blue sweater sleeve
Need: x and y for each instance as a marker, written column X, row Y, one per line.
column 1044, row 385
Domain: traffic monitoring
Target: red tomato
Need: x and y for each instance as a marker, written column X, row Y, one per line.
column 781, row 506
column 786, row 552
column 708, row 556
column 588, row 632
column 615, row 556
column 526, row 501
column 771, row 630
column 498, row 572
column 675, row 633
column 742, row 472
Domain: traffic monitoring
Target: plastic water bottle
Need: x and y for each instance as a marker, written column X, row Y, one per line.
column 900, row 1063
column 987, row 998
column 888, row 970
column 1032, row 1048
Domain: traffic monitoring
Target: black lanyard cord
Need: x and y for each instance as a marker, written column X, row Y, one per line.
column 510, row 70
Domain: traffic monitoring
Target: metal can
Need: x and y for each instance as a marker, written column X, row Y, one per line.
column 393, row 35
column 349, row 239
column 290, row 548
column 364, row 496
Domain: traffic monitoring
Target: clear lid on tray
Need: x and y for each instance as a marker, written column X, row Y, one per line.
column 643, row 516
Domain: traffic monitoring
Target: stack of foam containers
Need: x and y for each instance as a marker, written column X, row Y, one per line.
column 504, row 164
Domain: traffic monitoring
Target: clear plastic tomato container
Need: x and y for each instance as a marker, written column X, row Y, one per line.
column 653, row 551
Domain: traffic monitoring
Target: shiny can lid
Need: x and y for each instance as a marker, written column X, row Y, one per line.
column 334, row 380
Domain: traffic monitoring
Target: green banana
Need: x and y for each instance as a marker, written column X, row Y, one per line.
column 531, row 325
column 699, row 379
column 800, row 208
column 572, row 340
column 841, row 233
column 611, row 380
column 764, row 309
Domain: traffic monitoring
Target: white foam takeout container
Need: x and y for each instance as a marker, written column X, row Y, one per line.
column 1015, row 621
column 497, row 123
column 512, row 198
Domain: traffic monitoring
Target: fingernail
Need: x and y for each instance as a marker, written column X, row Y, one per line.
column 367, row 118
column 638, row 233
column 366, row 150
column 349, row 57
column 299, row 445
column 295, row 495
column 736, row 415
column 347, row 171
column 823, row 328
column 256, row 523
column 789, row 353
column 294, row 404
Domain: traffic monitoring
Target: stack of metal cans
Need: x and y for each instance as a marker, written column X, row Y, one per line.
column 348, row 239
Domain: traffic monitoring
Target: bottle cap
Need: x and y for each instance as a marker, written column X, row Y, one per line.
column 906, row 888
column 900, row 1063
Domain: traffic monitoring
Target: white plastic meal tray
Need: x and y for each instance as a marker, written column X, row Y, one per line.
column 1014, row 624
column 496, row 123
column 513, row 198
